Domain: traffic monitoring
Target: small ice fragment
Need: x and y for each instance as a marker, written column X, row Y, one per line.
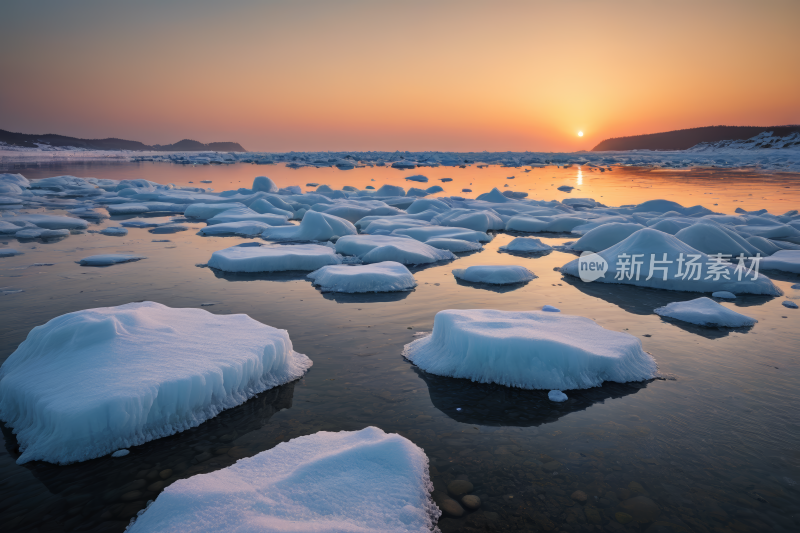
column 458, row 408
column 796, row 286
column 557, row 396
column 109, row 259
column 120, row 453
column 723, row 294
column 206, row 304
column 790, row 304
column 551, row 309
column 566, row 188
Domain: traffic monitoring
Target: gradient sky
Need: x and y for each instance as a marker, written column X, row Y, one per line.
column 385, row 75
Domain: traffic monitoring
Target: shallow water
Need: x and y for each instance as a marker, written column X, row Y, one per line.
column 714, row 445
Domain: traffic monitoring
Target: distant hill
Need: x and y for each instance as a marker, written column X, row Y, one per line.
column 186, row 145
column 684, row 139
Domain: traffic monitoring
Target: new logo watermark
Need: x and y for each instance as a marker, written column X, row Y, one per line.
column 591, row 266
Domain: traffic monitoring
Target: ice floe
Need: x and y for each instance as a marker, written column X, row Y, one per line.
column 529, row 349
column 557, row 396
column 91, row 382
column 387, row 276
column 785, row 260
column 494, row 274
column 245, row 228
column 315, row 226
column 116, row 232
column 705, row 312
column 349, row 481
column 278, row 258
column 525, row 245
column 109, row 259
column 379, row 248
column 9, row 252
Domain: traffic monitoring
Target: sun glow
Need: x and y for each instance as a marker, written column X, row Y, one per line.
column 580, row 134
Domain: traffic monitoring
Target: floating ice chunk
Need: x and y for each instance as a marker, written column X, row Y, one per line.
column 9, row 252
column 116, row 232
column 650, row 245
column 403, row 164
column 495, row 197
column 91, row 382
column 454, row 245
column 390, row 190
column 7, row 228
column 466, row 190
column 543, row 224
column 49, row 221
column 790, row 304
column 264, row 207
column 206, row 211
column 529, row 349
column 315, row 226
column 246, row 228
column 467, row 218
column 109, row 259
column 566, row 188
column 127, row 209
column 723, row 294
column 525, row 245
column 494, row 274
column 424, row 234
column 425, row 204
column 557, row 396
column 705, row 312
column 390, row 224
column 785, row 260
column 359, row 481
column 263, row 183
column 418, row 177
column 120, row 453
column 379, row 277
column 672, row 225
column 378, row 248
column 605, row 236
column 551, row 309
column 280, row 258
column 40, row 233
column 764, row 246
column 712, row 239
column 239, row 214
column 434, row 189
column 146, row 222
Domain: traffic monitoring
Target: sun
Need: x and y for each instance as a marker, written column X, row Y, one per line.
column 580, row 134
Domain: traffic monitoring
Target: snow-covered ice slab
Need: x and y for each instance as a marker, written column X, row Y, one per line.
column 786, row 260
column 48, row 221
column 9, row 252
column 525, row 245
column 454, row 245
column 116, row 232
column 388, row 276
column 605, row 236
column 109, row 259
column 240, row 214
column 315, row 226
column 494, row 274
column 306, row 257
column 350, row 481
column 529, row 349
column 705, row 312
column 650, row 245
column 379, row 248
column 91, row 382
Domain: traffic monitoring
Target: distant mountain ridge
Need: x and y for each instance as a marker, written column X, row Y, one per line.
column 187, row 145
column 688, row 138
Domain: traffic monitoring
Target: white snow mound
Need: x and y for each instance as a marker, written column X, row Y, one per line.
column 525, row 245
column 388, row 276
column 494, row 274
column 274, row 258
column 315, row 226
column 363, row 481
column 379, row 248
column 705, row 312
column 529, row 349
column 91, row 382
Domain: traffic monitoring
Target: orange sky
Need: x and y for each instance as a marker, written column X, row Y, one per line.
column 383, row 75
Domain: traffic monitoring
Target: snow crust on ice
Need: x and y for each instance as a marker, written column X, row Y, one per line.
column 239, row 214
column 649, row 242
column 315, row 226
column 109, row 259
column 557, row 396
column 785, row 260
column 34, row 233
column 525, row 245
column 790, row 304
column 529, row 349
column 454, row 245
column 710, row 238
column 116, row 232
column 247, row 228
column 278, row 258
column 363, row 481
column 379, row 248
column 425, row 233
column 48, row 221
column 205, row 211
column 387, row 276
column 94, row 381
column 494, row 274
column 723, row 294
column 705, row 312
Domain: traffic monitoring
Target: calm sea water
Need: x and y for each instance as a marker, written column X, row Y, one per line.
column 711, row 448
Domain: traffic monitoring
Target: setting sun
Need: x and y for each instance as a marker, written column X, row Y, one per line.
column 580, row 134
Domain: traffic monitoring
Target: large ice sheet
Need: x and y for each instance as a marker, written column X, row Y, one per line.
column 274, row 258
column 705, row 312
column 786, row 260
column 363, row 481
column 388, row 276
column 529, row 349
column 91, row 382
